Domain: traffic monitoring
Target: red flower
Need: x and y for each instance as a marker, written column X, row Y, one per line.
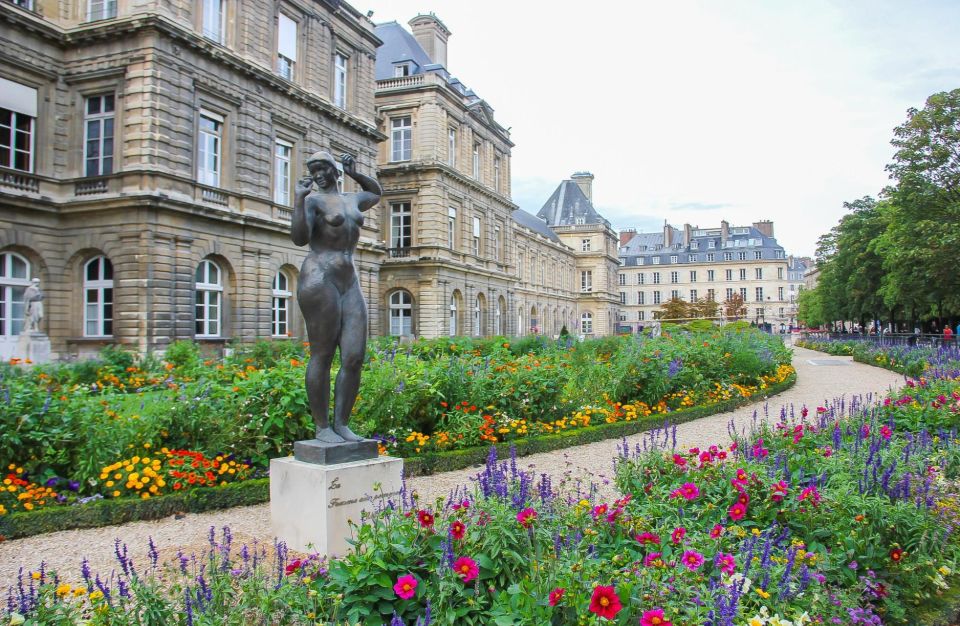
column 677, row 535
column 885, row 431
column 897, row 554
column 466, row 568
column 716, row 531
column 653, row 559
column 526, row 517
column 426, row 518
column 737, row 512
column 648, row 537
column 600, row 510
column 605, row 602
column 692, row 560
column 458, row 529
column 654, row 617
column 293, row 566
column 556, row 595
column 406, row 587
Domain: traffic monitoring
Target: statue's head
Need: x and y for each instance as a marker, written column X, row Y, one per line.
column 35, row 281
column 323, row 169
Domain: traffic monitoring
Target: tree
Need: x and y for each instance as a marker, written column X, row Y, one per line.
column 810, row 308
column 673, row 309
column 734, row 307
column 705, row 308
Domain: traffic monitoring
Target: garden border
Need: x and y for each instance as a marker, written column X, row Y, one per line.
column 111, row 512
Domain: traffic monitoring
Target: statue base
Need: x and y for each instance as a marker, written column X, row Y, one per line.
column 34, row 346
column 311, row 505
column 322, row 453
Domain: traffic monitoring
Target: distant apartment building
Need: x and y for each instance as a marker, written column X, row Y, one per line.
column 693, row 263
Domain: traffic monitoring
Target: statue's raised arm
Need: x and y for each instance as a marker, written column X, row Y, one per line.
column 371, row 193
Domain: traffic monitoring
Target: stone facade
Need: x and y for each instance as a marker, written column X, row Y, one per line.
column 160, row 135
column 713, row 263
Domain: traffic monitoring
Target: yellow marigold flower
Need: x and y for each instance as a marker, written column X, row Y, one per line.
column 96, row 595
column 63, row 590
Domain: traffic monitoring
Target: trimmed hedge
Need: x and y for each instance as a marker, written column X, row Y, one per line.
column 111, row 512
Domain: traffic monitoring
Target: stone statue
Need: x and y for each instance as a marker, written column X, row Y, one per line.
column 329, row 290
column 33, row 301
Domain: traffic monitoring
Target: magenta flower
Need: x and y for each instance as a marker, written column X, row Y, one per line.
column 652, row 559
column 692, row 560
column 648, row 537
column 726, row 563
column 526, row 517
column 466, row 568
column 654, row 617
column 737, row 512
column 406, row 587
column 716, row 531
column 678, row 534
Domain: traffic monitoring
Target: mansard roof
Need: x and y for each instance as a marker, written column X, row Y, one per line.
column 568, row 206
column 535, row 224
column 399, row 46
column 702, row 242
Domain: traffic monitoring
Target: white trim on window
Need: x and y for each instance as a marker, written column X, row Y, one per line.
column 98, row 297
column 208, row 312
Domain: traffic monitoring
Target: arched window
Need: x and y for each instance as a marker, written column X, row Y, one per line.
column 281, row 294
column 98, row 297
column 401, row 314
column 520, row 321
column 534, row 320
column 209, row 302
column 586, row 323
column 501, row 316
column 14, row 280
column 453, row 315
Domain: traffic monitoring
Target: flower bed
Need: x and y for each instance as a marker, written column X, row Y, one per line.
column 82, row 432
column 909, row 360
column 840, row 514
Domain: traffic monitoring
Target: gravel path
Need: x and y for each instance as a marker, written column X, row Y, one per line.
column 820, row 377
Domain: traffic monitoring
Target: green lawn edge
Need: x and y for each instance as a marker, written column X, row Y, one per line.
column 112, row 512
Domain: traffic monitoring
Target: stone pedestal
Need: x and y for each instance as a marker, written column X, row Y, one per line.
column 310, row 504
column 35, row 346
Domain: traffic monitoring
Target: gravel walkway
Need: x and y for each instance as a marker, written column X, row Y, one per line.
column 820, row 377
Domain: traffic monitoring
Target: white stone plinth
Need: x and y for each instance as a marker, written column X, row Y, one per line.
column 310, row 504
column 34, row 346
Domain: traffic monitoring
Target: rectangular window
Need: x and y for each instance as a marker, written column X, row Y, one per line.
column 101, row 10
column 98, row 135
column 692, row 258
column 674, row 294
column 213, row 19
column 743, row 273
column 779, row 254
column 16, row 140
column 693, row 295
column 727, row 256
column 401, row 223
column 496, row 243
column 780, row 273
column 286, row 46
column 452, row 147
column 758, row 254
column 741, row 256
column 711, row 295
column 729, row 293
column 656, row 297
column 743, row 293
column 693, row 276
column 758, row 273
column 641, row 316
column 710, row 276
column 623, row 297
column 728, row 274
column 674, row 277
column 759, row 294
column 656, row 278
column 496, row 174
column 622, row 279
column 208, row 149
column 640, row 261
column 282, row 152
column 401, row 69
column 656, row 260
column 710, row 256
column 586, row 281
column 340, row 80
column 451, row 227
column 401, row 139
column 780, row 293
column 640, row 298
column 476, row 237
column 585, row 245
column 674, row 258
column 641, row 279
column 476, row 160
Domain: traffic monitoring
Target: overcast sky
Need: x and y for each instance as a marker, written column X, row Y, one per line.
column 694, row 111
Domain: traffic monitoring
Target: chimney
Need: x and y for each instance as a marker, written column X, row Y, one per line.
column 765, row 227
column 667, row 235
column 687, row 233
column 432, row 36
column 584, row 181
column 724, row 232
column 626, row 235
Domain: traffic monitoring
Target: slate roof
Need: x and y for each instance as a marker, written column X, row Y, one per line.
column 535, row 224
column 399, row 46
column 742, row 239
column 568, row 206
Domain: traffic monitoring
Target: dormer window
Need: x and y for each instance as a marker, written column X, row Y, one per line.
column 401, row 69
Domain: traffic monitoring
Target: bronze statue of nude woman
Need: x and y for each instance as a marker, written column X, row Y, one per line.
column 329, row 291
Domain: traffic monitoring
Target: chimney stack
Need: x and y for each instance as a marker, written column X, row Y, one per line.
column 626, row 235
column 667, row 235
column 765, row 227
column 687, row 234
column 584, row 181
column 432, row 36
column 724, row 232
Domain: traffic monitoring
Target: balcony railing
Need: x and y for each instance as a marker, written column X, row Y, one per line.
column 19, row 181
column 399, row 253
column 214, row 196
column 90, row 187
